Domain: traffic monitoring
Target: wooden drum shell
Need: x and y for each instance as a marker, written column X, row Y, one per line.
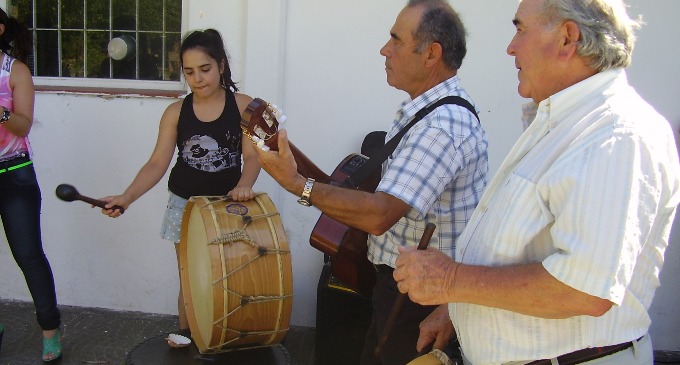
column 236, row 274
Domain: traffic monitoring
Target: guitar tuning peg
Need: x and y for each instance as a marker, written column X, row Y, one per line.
column 262, row 146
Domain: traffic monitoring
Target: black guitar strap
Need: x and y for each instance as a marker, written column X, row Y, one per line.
column 381, row 155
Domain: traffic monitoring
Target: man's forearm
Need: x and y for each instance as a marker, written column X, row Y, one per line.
column 370, row 212
column 526, row 289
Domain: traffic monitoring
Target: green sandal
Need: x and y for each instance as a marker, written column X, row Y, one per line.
column 52, row 347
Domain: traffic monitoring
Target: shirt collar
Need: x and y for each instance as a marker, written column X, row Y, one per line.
column 561, row 104
column 410, row 107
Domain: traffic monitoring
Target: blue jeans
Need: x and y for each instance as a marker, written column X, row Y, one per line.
column 20, row 203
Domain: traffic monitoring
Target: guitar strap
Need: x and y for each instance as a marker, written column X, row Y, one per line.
column 381, row 155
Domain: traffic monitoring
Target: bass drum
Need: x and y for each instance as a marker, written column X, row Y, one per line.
column 236, row 274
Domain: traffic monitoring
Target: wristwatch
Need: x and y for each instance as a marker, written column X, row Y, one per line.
column 306, row 191
column 4, row 117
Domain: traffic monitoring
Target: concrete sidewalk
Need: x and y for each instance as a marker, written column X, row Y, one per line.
column 104, row 337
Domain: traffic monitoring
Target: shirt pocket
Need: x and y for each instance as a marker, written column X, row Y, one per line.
column 512, row 220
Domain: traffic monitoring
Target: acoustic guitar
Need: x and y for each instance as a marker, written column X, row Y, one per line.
column 346, row 246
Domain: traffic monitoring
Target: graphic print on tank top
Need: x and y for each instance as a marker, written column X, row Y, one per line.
column 203, row 153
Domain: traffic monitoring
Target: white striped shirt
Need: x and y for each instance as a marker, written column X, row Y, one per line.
column 590, row 190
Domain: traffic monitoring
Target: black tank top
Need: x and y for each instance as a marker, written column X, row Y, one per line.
column 209, row 153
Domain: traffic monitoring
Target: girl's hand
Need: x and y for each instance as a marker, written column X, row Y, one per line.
column 241, row 193
column 119, row 200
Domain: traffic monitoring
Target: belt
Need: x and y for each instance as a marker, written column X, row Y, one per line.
column 587, row 354
column 15, row 163
column 384, row 269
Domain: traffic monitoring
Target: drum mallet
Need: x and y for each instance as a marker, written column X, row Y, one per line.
column 424, row 241
column 69, row 193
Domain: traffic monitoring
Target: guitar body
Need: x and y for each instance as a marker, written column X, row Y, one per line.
column 346, row 246
column 350, row 262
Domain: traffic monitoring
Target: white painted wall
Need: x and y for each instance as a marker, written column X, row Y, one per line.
column 318, row 60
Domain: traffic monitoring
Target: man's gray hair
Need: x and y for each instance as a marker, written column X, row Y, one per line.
column 607, row 32
column 440, row 23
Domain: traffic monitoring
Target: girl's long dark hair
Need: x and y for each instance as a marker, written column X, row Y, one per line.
column 210, row 42
column 17, row 40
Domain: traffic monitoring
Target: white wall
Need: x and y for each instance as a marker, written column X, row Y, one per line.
column 320, row 62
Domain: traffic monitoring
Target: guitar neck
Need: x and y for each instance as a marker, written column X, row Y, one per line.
column 259, row 121
column 307, row 168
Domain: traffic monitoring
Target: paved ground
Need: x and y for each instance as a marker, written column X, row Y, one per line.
column 104, row 337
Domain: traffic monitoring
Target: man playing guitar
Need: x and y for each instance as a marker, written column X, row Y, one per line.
column 436, row 174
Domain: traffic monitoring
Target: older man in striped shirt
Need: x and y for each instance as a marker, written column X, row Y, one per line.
column 560, row 261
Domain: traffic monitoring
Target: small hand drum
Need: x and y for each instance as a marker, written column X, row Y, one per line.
column 435, row 357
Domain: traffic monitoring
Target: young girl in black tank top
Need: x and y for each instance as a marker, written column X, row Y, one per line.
column 205, row 129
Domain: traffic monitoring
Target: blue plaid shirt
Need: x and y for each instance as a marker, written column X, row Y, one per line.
column 439, row 168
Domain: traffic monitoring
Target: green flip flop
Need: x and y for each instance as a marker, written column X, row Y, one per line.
column 52, row 347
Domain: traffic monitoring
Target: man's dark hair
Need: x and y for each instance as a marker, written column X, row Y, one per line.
column 440, row 23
